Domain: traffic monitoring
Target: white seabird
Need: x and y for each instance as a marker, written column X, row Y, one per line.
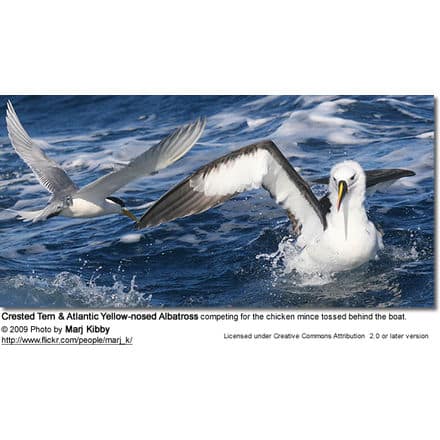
column 335, row 233
column 94, row 199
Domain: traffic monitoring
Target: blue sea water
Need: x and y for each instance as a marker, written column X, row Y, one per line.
column 237, row 254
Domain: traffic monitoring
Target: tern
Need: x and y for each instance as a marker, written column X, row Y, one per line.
column 94, row 199
column 334, row 232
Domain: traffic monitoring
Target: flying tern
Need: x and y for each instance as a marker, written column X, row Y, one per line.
column 94, row 199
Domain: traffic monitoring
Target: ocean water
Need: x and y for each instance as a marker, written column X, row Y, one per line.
column 237, row 254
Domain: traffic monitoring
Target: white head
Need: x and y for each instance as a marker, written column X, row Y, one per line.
column 347, row 180
column 346, row 187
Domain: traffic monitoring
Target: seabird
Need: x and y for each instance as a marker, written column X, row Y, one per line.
column 94, row 199
column 334, row 232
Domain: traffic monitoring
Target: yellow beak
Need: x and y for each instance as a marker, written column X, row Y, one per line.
column 342, row 190
column 129, row 214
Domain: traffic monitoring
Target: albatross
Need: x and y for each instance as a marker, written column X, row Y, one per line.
column 94, row 199
column 333, row 232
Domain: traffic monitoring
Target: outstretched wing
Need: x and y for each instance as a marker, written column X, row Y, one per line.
column 257, row 165
column 48, row 172
column 377, row 180
column 163, row 154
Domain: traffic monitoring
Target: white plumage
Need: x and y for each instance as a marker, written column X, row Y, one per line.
column 350, row 239
column 241, row 176
column 335, row 233
column 94, row 199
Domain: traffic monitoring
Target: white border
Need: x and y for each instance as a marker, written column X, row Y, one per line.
column 182, row 381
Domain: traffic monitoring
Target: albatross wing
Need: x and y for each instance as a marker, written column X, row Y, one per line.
column 257, row 165
column 377, row 180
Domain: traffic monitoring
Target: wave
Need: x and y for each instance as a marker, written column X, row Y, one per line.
column 322, row 121
column 69, row 290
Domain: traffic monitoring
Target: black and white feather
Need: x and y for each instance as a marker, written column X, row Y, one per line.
column 259, row 165
column 334, row 233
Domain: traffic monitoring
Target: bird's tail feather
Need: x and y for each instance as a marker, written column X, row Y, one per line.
column 27, row 216
column 51, row 210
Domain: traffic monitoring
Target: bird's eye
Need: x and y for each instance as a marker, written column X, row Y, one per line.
column 334, row 178
column 352, row 177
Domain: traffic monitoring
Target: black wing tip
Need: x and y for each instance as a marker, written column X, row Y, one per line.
column 142, row 223
column 408, row 173
column 400, row 172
